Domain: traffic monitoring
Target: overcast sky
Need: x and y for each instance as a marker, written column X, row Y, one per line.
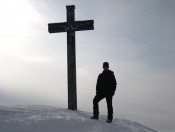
column 137, row 38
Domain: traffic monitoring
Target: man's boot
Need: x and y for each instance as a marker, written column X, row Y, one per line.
column 109, row 120
column 94, row 117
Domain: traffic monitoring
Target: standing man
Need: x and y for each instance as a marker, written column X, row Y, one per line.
column 105, row 88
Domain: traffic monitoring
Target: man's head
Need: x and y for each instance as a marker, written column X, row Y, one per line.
column 105, row 65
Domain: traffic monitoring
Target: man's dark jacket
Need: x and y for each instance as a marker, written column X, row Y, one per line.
column 106, row 83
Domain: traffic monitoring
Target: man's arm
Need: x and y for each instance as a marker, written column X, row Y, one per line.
column 114, row 83
column 98, row 85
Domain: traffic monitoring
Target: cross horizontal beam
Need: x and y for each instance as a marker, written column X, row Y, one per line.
column 84, row 25
column 57, row 27
column 75, row 26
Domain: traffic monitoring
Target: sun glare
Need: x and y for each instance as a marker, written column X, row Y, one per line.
column 16, row 17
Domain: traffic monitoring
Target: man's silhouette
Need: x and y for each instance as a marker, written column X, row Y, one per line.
column 105, row 88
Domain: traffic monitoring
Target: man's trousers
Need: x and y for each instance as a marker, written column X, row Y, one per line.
column 97, row 99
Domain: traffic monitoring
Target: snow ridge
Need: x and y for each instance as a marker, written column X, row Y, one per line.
column 36, row 118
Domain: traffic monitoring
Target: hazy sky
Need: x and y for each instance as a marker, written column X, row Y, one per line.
column 137, row 38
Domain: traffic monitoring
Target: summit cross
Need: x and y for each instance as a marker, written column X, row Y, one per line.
column 70, row 27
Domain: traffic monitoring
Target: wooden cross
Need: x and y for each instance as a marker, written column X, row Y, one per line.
column 70, row 27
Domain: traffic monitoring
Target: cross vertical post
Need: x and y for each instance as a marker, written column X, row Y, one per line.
column 70, row 27
column 71, row 58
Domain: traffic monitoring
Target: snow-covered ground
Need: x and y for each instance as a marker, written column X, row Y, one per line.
column 35, row 118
